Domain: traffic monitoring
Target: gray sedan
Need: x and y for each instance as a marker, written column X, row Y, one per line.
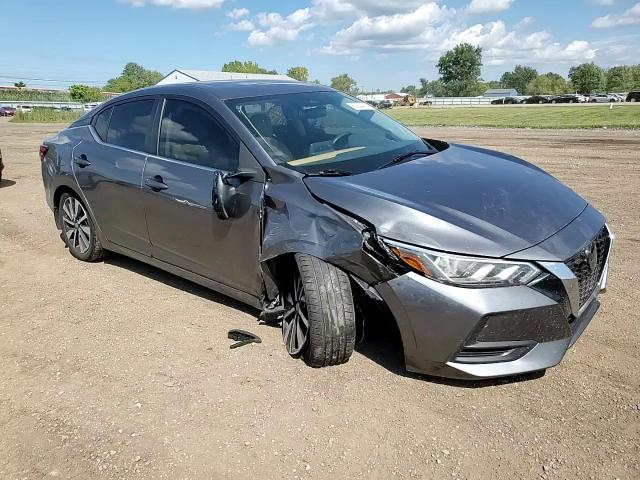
column 327, row 215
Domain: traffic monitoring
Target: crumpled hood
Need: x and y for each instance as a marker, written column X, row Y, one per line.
column 463, row 199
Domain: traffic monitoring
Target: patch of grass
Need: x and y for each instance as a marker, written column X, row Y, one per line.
column 581, row 116
column 47, row 115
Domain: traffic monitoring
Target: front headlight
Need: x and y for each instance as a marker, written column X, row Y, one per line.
column 462, row 270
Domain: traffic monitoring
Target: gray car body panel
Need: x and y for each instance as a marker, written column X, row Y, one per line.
column 463, row 199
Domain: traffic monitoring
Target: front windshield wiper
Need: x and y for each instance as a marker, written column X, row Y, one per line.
column 329, row 172
column 403, row 156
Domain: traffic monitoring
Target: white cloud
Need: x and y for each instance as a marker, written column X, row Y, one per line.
column 238, row 13
column 277, row 29
column 488, row 6
column 242, row 26
column 629, row 18
column 188, row 4
column 432, row 29
column 329, row 10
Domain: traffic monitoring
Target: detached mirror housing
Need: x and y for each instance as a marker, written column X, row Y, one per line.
column 224, row 191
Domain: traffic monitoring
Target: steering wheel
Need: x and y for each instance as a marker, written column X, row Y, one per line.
column 341, row 140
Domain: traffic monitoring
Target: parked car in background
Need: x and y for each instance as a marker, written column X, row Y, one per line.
column 567, row 98
column 506, row 101
column 385, row 104
column 619, row 96
column 24, row 109
column 602, row 98
column 324, row 213
column 7, row 111
column 633, row 97
column 536, row 99
column 1, row 166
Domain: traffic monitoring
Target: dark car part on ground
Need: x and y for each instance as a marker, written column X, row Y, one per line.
column 242, row 337
column 285, row 179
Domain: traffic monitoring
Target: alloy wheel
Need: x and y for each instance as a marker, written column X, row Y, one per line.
column 76, row 225
column 295, row 323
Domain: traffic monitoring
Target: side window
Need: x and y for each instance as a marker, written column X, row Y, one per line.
column 190, row 134
column 101, row 123
column 131, row 124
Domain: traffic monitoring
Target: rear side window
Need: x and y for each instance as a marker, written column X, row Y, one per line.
column 130, row 125
column 101, row 123
column 190, row 134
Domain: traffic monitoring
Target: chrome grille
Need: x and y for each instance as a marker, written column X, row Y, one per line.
column 587, row 265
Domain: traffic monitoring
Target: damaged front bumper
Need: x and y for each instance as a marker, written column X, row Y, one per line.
column 480, row 333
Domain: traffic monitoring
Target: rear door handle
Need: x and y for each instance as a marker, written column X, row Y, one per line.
column 82, row 161
column 156, row 184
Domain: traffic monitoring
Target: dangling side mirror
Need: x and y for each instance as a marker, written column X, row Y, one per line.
column 224, row 191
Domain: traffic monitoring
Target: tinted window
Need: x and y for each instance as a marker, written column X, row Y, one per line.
column 130, row 124
column 101, row 123
column 190, row 134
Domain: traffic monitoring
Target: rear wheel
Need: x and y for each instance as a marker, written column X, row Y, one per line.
column 319, row 321
column 78, row 231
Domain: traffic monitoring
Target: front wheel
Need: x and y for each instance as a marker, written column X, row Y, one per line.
column 78, row 231
column 319, row 322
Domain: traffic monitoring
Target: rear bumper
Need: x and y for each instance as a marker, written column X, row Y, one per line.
column 481, row 333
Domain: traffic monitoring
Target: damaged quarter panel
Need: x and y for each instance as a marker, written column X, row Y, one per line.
column 295, row 222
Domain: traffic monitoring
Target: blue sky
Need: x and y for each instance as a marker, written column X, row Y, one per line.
column 383, row 44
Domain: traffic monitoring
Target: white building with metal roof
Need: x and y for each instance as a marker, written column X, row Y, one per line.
column 186, row 76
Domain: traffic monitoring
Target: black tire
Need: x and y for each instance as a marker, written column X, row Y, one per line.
column 87, row 251
column 331, row 315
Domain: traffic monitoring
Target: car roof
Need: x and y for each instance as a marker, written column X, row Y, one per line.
column 228, row 89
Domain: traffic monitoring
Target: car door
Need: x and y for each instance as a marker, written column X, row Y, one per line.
column 178, row 184
column 109, row 170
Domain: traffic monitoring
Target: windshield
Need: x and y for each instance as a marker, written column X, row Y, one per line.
column 321, row 131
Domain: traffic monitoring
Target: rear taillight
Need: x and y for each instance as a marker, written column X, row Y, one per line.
column 43, row 152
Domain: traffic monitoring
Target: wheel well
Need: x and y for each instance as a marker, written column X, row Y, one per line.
column 282, row 268
column 59, row 192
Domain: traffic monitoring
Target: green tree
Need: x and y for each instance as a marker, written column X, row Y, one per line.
column 619, row 79
column 548, row 84
column 460, row 70
column 519, row 78
column 409, row 89
column 434, row 88
column 19, row 84
column 133, row 77
column 85, row 93
column 587, row 78
column 299, row 73
column 344, row 83
column 248, row 66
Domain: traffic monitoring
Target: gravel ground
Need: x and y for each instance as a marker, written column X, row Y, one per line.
column 118, row 370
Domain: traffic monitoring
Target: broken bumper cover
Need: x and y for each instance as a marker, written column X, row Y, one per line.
column 480, row 333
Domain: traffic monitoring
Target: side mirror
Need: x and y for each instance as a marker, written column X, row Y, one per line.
column 224, row 191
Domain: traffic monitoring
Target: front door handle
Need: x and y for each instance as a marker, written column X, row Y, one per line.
column 156, row 184
column 82, row 161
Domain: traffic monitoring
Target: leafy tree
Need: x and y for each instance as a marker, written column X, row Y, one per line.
column 484, row 86
column 519, row 78
column 344, row 83
column 133, row 77
column 85, row 93
column 316, row 81
column 299, row 73
column 587, row 78
column 410, row 90
column 20, row 84
column 460, row 70
column 248, row 66
column 435, row 88
column 620, row 78
column 548, row 84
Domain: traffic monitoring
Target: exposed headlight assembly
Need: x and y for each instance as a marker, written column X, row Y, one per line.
column 461, row 270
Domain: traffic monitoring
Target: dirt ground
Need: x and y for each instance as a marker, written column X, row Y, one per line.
column 118, row 370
